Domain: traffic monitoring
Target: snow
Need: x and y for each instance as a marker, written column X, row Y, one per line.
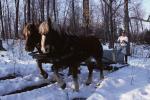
column 128, row 83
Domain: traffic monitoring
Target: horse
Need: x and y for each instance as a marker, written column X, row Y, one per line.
column 32, row 41
column 69, row 50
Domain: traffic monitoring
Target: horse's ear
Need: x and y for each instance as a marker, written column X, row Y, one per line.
column 25, row 23
column 34, row 22
column 49, row 22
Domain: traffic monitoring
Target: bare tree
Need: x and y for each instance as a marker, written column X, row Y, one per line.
column 48, row 8
column 126, row 22
column 86, row 16
column 126, row 17
column 54, row 10
column 105, row 13
column 25, row 8
column 8, row 20
column 66, row 11
column 111, row 27
column 73, row 15
column 17, row 18
column 109, row 21
column 33, row 10
column 2, row 23
column 42, row 6
column 28, row 11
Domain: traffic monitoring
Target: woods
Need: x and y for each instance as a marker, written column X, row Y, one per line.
column 74, row 49
column 103, row 18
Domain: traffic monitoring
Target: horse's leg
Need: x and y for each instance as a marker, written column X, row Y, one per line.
column 42, row 72
column 58, row 78
column 90, row 68
column 98, row 54
column 101, row 67
column 69, row 72
column 74, row 69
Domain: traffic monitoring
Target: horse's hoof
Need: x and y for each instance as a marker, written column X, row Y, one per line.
column 79, row 72
column 75, row 90
column 87, row 83
column 69, row 74
column 45, row 75
column 63, row 86
column 102, row 77
column 52, row 80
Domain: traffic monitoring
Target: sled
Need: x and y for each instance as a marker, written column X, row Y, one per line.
column 107, row 59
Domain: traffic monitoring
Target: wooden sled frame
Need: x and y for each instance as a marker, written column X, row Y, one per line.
column 44, row 58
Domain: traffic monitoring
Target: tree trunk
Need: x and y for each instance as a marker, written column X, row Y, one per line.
column 132, row 38
column 9, row 20
column 54, row 10
column 34, row 17
column 111, row 41
column 17, row 18
column 42, row 10
column 28, row 11
column 126, row 22
column 48, row 7
column 2, row 24
column 105, row 11
column 73, row 16
column 25, row 17
column 86, row 16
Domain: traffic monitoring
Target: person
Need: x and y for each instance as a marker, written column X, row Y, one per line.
column 124, row 45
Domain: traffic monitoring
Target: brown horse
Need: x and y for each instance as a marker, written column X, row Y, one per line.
column 32, row 41
column 67, row 50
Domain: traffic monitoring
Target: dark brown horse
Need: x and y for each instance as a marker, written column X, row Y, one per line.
column 68, row 51
column 32, row 41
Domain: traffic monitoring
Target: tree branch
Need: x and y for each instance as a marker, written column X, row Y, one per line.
column 141, row 19
column 114, row 10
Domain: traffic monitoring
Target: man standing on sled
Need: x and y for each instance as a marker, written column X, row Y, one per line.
column 124, row 45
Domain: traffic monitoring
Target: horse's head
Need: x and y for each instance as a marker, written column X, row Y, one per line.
column 32, row 37
column 46, row 32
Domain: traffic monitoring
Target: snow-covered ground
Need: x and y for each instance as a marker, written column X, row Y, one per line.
column 129, row 83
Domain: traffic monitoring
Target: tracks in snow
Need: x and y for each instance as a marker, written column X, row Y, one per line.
column 9, row 76
column 15, row 84
column 28, row 88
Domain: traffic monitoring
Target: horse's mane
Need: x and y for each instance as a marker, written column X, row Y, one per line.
column 30, row 27
column 44, row 28
column 27, row 28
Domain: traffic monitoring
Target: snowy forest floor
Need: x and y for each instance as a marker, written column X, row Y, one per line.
column 18, row 70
